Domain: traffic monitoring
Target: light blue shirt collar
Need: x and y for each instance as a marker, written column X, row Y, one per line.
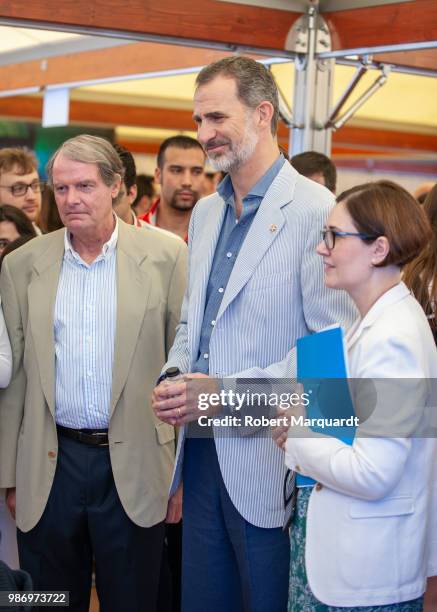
column 225, row 188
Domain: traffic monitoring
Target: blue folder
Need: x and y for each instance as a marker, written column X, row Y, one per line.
column 322, row 370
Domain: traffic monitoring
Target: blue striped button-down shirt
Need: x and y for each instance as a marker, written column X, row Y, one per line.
column 232, row 235
column 84, row 328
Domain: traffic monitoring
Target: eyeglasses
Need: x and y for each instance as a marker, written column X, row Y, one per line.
column 328, row 236
column 20, row 189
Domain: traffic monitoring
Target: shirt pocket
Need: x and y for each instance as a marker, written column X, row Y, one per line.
column 164, row 433
column 261, row 283
column 391, row 506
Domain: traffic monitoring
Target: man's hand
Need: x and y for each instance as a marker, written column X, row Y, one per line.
column 168, row 401
column 174, row 508
column 10, row 501
column 177, row 403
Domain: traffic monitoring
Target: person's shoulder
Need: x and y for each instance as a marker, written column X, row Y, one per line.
column 153, row 241
column 204, row 204
column 160, row 231
column 403, row 323
column 305, row 193
column 34, row 248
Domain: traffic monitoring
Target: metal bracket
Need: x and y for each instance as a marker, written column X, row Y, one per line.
column 377, row 84
column 298, row 38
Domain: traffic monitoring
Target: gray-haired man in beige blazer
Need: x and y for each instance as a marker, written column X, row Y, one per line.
column 91, row 313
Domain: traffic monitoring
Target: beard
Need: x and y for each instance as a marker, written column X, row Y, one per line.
column 178, row 203
column 238, row 153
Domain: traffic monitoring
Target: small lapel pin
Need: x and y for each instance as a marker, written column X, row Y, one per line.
column 273, row 227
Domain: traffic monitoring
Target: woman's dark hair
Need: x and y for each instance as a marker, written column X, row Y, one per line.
column 386, row 209
column 18, row 218
column 144, row 187
column 421, row 274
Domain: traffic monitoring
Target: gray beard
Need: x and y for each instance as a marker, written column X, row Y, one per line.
column 233, row 160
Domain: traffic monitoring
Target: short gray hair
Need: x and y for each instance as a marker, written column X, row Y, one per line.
column 255, row 83
column 90, row 150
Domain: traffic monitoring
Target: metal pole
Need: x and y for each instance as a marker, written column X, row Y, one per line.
column 312, row 86
column 380, row 81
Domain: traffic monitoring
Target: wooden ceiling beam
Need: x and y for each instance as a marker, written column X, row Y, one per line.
column 390, row 24
column 138, row 146
column 385, row 139
column 136, row 58
column 229, row 23
column 202, row 20
column 94, row 113
column 426, row 59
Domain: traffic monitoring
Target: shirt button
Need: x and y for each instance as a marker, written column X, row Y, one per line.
column 297, row 469
column 205, row 355
column 51, row 454
column 221, row 290
column 89, row 373
column 229, row 254
column 213, row 323
column 319, row 486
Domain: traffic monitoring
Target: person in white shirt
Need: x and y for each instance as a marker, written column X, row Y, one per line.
column 361, row 537
column 8, row 540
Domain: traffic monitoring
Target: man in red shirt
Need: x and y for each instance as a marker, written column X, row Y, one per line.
column 180, row 172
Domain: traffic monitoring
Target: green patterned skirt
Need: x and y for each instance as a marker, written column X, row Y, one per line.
column 300, row 597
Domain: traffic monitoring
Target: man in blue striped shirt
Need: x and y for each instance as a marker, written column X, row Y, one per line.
column 255, row 286
column 91, row 312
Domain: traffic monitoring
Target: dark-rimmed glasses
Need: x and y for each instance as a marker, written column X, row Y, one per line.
column 20, row 189
column 328, row 237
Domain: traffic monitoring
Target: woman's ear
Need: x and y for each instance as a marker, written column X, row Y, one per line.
column 380, row 250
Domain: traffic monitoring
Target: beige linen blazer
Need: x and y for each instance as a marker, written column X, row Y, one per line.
column 151, row 276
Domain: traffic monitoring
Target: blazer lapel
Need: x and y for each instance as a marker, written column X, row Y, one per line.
column 42, row 296
column 265, row 229
column 133, row 289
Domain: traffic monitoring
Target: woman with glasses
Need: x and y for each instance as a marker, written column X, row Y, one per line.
column 359, row 537
column 13, row 224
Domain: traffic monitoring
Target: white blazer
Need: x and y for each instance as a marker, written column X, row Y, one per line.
column 369, row 519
